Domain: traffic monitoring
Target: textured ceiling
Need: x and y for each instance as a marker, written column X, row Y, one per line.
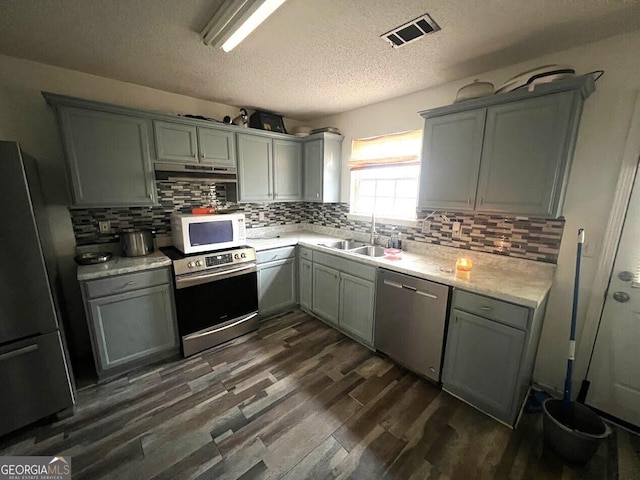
column 311, row 57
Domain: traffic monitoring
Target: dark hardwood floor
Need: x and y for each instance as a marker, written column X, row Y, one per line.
column 296, row 400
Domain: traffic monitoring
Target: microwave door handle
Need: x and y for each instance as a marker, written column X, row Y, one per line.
column 211, row 277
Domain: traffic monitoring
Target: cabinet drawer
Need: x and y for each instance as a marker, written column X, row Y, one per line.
column 126, row 283
column 352, row 268
column 491, row 308
column 306, row 253
column 276, row 254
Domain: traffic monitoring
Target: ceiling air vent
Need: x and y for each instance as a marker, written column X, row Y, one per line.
column 411, row 31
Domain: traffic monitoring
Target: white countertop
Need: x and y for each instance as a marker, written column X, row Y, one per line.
column 527, row 287
column 120, row 265
column 518, row 281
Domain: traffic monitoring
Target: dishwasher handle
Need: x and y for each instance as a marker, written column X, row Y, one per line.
column 409, row 287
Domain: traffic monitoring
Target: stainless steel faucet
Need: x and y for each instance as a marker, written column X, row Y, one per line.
column 372, row 241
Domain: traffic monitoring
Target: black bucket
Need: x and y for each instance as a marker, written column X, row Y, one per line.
column 578, row 437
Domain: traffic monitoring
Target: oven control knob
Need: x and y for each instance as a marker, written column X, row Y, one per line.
column 199, row 263
column 243, row 255
column 236, row 256
column 190, row 265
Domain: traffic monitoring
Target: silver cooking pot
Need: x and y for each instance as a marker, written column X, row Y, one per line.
column 136, row 243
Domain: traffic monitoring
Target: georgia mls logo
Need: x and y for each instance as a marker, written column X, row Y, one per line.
column 35, row 468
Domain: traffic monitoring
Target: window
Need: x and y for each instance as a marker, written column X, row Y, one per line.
column 384, row 174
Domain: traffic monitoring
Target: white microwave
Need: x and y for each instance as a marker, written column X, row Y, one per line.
column 203, row 233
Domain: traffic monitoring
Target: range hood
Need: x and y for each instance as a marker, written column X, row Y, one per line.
column 195, row 172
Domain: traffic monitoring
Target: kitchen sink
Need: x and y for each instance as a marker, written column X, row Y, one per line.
column 343, row 244
column 369, row 251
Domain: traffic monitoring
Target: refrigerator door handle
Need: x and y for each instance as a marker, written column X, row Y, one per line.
column 20, row 351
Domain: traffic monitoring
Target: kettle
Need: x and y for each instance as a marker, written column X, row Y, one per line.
column 242, row 119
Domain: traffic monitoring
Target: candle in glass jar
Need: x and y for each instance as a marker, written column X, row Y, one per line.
column 463, row 268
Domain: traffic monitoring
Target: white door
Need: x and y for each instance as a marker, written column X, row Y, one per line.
column 615, row 368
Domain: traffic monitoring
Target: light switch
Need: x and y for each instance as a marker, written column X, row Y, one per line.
column 105, row 226
column 261, row 216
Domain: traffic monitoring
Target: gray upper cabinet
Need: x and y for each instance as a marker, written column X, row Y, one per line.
column 269, row 169
column 525, row 152
column 108, row 157
column 185, row 143
column 508, row 153
column 176, row 142
column 451, row 160
column 322, row 159
column 255, row 168
column 217, row 147
column 287, row 167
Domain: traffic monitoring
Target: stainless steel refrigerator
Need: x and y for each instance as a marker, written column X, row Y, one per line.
column 35, row 376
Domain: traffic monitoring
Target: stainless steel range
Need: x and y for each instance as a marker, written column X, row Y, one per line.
column 216, row 296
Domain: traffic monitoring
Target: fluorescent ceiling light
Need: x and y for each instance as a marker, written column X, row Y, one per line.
column 235, row 20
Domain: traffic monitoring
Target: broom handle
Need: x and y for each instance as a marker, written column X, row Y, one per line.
column 566, row 400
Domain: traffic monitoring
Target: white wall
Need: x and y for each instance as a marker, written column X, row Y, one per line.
column 26, row 118
column 600, row 146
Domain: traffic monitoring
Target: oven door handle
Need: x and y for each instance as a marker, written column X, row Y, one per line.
column 216, row 329
column 185, row 282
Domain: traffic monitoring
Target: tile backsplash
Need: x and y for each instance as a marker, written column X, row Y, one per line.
column 523, row 237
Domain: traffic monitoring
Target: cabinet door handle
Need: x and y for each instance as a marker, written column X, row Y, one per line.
column 150, row 196
column 481, row 200
column 195, row 155
column 317, row 195
column 128, row 284
column 468, row 201
column 20, row 351
column 409, row 287
column 486, row 309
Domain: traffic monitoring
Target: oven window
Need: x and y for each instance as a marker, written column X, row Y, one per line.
column 210, row 233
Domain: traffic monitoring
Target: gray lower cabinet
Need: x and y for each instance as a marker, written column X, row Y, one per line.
column 277, row 280
column 344, row 294
column 507, row 153
column 322, row 163
column 326, row 293
column 186, row 143
column 108, row 157
column 306, row 283
column 490, row 352
column 482, row 360
column 130, row 322
column 357, row 300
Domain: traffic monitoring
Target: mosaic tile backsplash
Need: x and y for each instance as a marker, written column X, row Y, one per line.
column 523, row 237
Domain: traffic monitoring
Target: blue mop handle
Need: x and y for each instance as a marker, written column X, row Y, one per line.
column 566, row 399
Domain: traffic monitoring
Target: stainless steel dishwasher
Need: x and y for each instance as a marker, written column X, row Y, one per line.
column 411, row 315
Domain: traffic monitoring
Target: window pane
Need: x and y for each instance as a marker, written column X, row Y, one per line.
column 367, row 188
column 386, row 188
column 407, row 188
column 366, row 204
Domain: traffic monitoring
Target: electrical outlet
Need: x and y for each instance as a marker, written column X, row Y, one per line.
column 105, row 226
column 455, row 230
column 426, row 226
column 261, row 216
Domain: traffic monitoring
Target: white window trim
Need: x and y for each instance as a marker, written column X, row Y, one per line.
column 401, row 222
